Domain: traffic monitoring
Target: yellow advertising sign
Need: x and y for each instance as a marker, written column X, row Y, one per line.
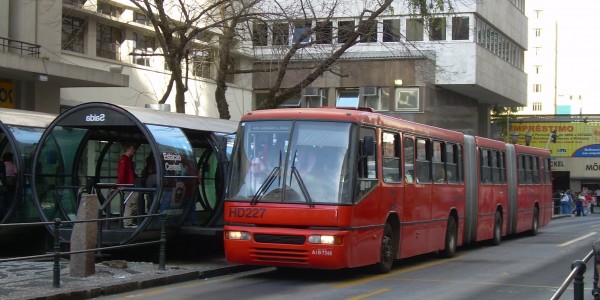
column 6, row 94
column 575, row 139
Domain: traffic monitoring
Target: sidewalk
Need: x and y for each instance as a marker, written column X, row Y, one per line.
column 34, row 279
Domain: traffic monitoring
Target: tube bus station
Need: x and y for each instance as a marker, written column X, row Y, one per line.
column 79, row 153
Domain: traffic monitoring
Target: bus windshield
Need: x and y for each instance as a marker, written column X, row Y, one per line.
column 292, row 161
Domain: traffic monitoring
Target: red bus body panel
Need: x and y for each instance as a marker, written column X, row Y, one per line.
column 421, row 211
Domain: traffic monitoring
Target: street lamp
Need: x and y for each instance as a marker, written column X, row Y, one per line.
column 514, row 137
column 528, row 138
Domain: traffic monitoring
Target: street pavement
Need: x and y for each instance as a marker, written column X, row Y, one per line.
column 34, row 279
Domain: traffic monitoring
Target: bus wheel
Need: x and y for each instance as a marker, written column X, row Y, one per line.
column 450, row 242
column 497, row 229
column 535, row 221
column 388, row 251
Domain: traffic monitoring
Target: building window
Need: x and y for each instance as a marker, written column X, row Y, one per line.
column 77, row 3
column 141, row 18
column 407, row 99
column 259, row 34
column 202, row 61
column 370, row 32
column 324, row 33
column 144, row 47
column 414, row 29
column 314, row 97
column 302, row 31
column 437, row 29
column 260, row 99
column 108, row 41
column 460, row 28
column 232, row 65
column 538, row 14
column 345, row 29
column 281, row 34
column 347, row 98
column 537, row 50
column 537, row 32
column 378, row 99
column 538, row 69
column 109, row 10
column 292, row 102
column 537, row 106
column 391, row 30
column 72, row 36
column 537, row 88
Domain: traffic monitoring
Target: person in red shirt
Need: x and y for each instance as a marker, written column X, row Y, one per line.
column 126, row 175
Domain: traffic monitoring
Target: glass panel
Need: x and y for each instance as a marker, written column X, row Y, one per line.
column 407, row 99
column 391, row 30
column 437, row 29
column 409, row 154
column 414, row 29
column 347, row 98
column 313, row 155
column 178, row 167
column 56, row 185
column 460, row 28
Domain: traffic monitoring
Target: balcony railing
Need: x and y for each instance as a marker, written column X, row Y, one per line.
column 18, row 47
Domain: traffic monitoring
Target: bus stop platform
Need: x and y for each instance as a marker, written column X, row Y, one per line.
column 34, row 279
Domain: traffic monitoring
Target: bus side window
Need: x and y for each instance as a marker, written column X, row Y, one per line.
column 391, row 157
column 439, row 162
column 451, row 164
column 409, row 160
column 424, row 156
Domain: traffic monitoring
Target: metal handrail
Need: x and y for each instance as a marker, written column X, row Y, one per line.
column 56, row 254
column 6, row 45
column 578, row 269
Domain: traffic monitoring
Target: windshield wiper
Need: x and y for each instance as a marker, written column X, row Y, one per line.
column 301, row 184
column 265, row 185
column 268, row 182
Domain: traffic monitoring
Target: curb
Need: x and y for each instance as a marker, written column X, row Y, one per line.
column 141, row 283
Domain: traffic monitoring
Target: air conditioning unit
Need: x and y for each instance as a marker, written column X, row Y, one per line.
column 370, row 91
column 311, row 91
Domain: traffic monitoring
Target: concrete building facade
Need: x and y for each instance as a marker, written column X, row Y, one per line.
column 447, row 70
column 57, row 54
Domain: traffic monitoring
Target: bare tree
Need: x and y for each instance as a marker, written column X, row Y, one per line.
column 322, row 58
column 177, row 24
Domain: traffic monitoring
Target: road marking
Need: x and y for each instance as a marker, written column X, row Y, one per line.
column 577, row 239
column 476, row 283
column 367, row 295
column 401, row 271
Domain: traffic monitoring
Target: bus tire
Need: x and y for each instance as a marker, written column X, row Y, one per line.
column 535, row 222
column 451, row 237
column 497, row 229
column 387, row 252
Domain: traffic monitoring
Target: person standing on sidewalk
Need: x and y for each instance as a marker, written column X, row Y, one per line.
column 565, row 203
column 126, row 175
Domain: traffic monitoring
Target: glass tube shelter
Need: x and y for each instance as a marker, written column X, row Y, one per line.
column 20, row 132
column 79, row 153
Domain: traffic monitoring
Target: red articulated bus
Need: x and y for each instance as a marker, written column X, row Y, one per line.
column 334, row 188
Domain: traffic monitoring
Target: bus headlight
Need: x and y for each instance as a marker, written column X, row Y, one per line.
column 237, row 235
column 325, row 239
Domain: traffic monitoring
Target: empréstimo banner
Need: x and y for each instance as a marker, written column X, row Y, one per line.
column 574, row 139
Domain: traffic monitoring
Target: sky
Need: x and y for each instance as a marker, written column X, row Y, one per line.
column 578, row 62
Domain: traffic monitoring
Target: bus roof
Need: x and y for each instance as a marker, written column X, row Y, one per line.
column 353, row 115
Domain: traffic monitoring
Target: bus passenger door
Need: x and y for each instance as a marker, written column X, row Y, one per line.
column 417, row 196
